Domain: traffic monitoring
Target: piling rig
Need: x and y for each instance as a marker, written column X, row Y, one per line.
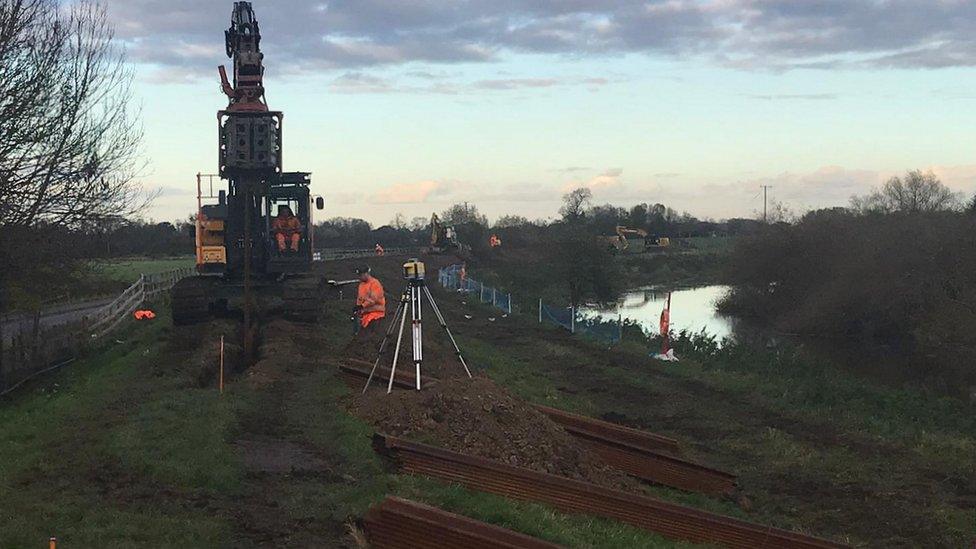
column 238, row 262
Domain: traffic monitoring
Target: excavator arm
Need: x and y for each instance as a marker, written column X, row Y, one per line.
column 243, row 44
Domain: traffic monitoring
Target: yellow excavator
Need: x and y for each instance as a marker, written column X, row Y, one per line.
column 619, row 242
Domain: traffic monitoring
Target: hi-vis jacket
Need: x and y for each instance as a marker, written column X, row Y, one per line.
column 370, row 297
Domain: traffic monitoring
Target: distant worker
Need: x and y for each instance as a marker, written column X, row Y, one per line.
column 287, row 229
column 370, row 300
column 494, row 241
column 379, row 250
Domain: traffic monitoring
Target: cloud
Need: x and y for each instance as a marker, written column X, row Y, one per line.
column 606, row 182
column 795, row 96
column 411, row 193
column 357, row 82
column 754, row 34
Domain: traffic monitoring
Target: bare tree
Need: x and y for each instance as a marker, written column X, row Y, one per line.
column 462, row 213
column 68, row 144
column 575, row 203
column 917, row 192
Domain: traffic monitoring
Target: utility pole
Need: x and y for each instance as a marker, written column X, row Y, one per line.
column 765, row 189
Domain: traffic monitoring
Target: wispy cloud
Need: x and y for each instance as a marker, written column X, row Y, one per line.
column 752, row 34
column 796, row 97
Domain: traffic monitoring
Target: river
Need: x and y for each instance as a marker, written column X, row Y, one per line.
column 693, row 309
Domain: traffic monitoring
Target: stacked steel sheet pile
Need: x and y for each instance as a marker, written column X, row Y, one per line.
column 399, row 523
column 644, row 455
column 668, row 519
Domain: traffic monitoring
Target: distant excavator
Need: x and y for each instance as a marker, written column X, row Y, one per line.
column 443, row 238
column 237, row 259
column 619, row 241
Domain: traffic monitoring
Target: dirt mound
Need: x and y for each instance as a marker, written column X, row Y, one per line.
column 480, row 418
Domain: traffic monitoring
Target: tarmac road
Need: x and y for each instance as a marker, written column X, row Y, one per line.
column 57, row 316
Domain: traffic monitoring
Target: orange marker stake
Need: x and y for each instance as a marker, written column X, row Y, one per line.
column 52, row 543
column 221, row 364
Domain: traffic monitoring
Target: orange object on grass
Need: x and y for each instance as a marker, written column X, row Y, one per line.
column 144, row 314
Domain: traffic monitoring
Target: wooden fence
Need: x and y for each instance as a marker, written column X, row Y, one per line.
column 37, row 347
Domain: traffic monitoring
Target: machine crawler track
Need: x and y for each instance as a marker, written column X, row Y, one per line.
column 191, row 300
column 302, row 298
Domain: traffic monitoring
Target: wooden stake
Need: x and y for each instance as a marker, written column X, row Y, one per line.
column 52, row 543
column 221, row 364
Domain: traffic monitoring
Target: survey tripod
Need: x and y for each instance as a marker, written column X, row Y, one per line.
column 412, row 299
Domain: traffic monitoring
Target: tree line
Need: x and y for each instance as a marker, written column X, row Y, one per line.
column 896, row 266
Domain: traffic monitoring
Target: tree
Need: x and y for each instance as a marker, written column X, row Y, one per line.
column 507, row 221
column 582, row 263
column 917, row 192
column 464, row 213
column 68, row 141
column 638, row 216
column 399, row 222
column 575, row 203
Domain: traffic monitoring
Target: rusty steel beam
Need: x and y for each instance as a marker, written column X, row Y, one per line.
column 604, row 429
column 573, row 496
column 398, row 523
column 639, row 454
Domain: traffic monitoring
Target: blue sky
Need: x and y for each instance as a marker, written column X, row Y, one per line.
column 411, row 106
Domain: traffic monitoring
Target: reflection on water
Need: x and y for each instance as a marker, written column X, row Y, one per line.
column 692, row 309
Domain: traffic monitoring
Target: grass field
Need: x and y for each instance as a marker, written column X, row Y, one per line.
column 127, row 270
column 128, row 449
column 134, row 447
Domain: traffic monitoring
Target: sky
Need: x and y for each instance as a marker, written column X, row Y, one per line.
column 409, row 106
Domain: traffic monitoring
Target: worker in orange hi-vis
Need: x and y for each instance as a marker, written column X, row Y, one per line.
column 379, row 249
column 370, row 300
column 287, row 230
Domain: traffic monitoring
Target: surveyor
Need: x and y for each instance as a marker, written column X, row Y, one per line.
column 287, row 230
column 370, row 300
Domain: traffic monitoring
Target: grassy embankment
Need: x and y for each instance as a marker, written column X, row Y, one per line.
column 128, row 448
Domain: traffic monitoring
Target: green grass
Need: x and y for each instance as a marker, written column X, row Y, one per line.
column 125, row 449
column 127, row 270
column 84, row 456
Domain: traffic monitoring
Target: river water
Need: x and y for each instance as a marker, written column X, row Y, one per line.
column 693, row 309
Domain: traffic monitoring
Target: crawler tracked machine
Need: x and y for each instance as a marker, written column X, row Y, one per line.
column 238, row 261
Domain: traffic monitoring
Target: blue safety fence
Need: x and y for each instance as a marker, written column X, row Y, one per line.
column 454, row 277
column 578, row 323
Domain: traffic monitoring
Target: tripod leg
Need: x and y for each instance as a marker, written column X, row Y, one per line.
column 386, row 339
column 417, row 329
column 396, row 352
column 443, row 323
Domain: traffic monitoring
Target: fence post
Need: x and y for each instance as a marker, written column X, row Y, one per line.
column 493, row 302
column 481, row 298
column 540, row 310
column 572, row 319
column 620, row 327
column 509, row 303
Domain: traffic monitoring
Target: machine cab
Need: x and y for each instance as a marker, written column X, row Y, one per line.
column 289, row 246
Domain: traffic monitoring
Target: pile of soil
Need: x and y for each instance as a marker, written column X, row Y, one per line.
column 477, row 417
